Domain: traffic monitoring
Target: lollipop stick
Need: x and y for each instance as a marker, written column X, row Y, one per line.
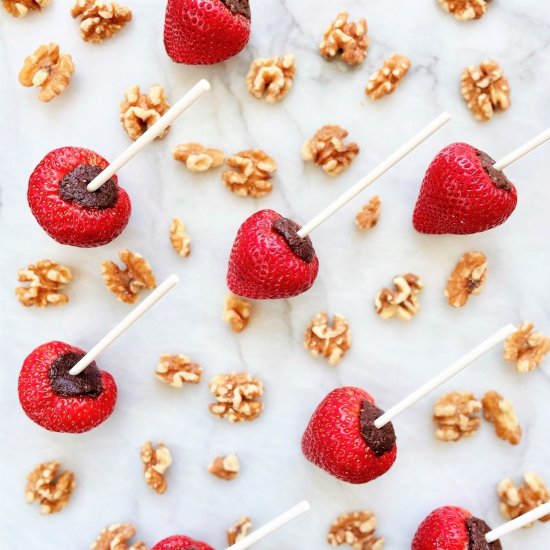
column 523, row 150
column 273, row 525
column 381, row 169
column 447, row 374
column 158, row 127
column 518, row 523
column 126, row 323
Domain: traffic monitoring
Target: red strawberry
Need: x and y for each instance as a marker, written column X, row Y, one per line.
column 342, row 439
column 269, row 259
column 180, row 542
column 462, row 193
column 64, row 208
column 204, row 32
column 59, row 401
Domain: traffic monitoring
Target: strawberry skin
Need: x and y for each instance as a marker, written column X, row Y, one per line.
column 262, row 263
column 462, row 193
column 444, row 529
column 333, row 438
column 204, row 32
column 180, row 542
column 75, row 216
column 63, row 413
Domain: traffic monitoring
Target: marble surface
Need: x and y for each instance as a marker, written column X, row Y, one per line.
column 388, row 358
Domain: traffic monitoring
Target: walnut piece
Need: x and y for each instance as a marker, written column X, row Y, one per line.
column 198, row 158
column 357, row 530
column 525, row 348
column 326, row 149
column 117, row 537
column 369, row 214
column 485, row 89
column 238, row 396
column 236, row 312
column 20, row 8
column 252, row 176
column 501, row 413
column 50, row 488
column 99, row 19
column 238, row 531
column 322, row 339
column 385, row 80
column 348, row 38
column 47, row 69
column 177, row 370
column 516, row 501
column 179, row 238
column 46, row 281
column 138, row 112
column 128, row 283
column 467, row 278
column 271, row 77
column 457, row 415
column 225, row 467
column 403, row 301
column 155, row 463
column 465, row 10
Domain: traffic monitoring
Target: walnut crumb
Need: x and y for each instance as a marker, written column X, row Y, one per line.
column 485, row 89
column 346, row 38
column 128, row 283
column 225, row 467
column 385, row 80
column 238, row 396
column 198, row 158
column 369, row 214
column 465, row 10
column 323, row 339
column 252, row 174
column 271, row 78
column 238, row 531
column 117, row 537
column 20, row 8
column 467, row 279
column 525, row 348
column 138, row 112
column 456, row 415
column 179, row 238
column 501, row 413
column 177, row 370
column 236, row 312
column 99, row 19
column 327, row 149
column 356, row 529
column 402, row 302
column 46, row 280
column 155, row 463
column 49, row 487
column 48, row 70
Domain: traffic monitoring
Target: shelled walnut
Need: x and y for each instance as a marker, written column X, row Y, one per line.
column 49, row 487
column 236, row 312
column 46, row 280
column 271, row 78
column 385, row 80
column 100, row 20
column 238, row 531
column 238, row 396
column 225, row 467
column 179, row 238
column 155, row 463
column 402, row 302
column 117, row 537
column 346, row 38
column 177, row 370
column 467, row 279
column 369, row 214
column 525, row 348
column 465, row 10
column 501, row 413
column 457, row 415
column 357, row 529
column 198, row 158
column 323, row 339
column 20, row 8
column 252, row 174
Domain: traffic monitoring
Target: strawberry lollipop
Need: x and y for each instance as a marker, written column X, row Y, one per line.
column 181, row 542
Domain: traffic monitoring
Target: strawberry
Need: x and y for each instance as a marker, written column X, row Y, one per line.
column 180, row 542
column 59, row 401
column 69, row 213
column 342, row 439
column 462, row 193
column 204, row 32
column 453, row 528
column 269, row 259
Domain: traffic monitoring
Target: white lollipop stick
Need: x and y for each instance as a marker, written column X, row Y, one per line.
column 523, row 150
column 380, row 170
column 518, row 523
column 158, row 127
column 273, row 525
column 447, row 374
column 126, row 323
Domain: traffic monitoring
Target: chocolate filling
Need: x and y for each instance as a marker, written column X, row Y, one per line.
column 497, row 176
column 72, row 188
column 303, row 248
column 379, row 440
column 477, row 529
column 88, row 382
column 242, row 7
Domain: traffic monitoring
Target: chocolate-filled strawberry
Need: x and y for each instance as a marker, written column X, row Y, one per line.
column 341, row 437
column 59, row 401
column 66, row 210
column 204, row 32
column 181, row 542
column 453, row 528
column 463, row 193
column 269, row 259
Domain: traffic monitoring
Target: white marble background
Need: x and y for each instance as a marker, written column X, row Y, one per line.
column 387, row 358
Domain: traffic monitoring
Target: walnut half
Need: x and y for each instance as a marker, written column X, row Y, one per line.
column 465, row 10
column 403, row 301
column 177, row 370
column 198, row 158
column 20, row 8
column 467, row 279
column 323, row 339
column 238, row 531
column 369, row 214
column 345, row 37
column 49, row 487
column 238, row 396
column 179, row 238
column 117, row 537
column 525, row 348
column 357, row 529
column 155, row 463
column 46, row 280
column 456, row 415
column 385, row 80
column 225, row 467
column 99, row 19
column 501, row 413
column 236, row 312
column 252, row 174
column 271, row 78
